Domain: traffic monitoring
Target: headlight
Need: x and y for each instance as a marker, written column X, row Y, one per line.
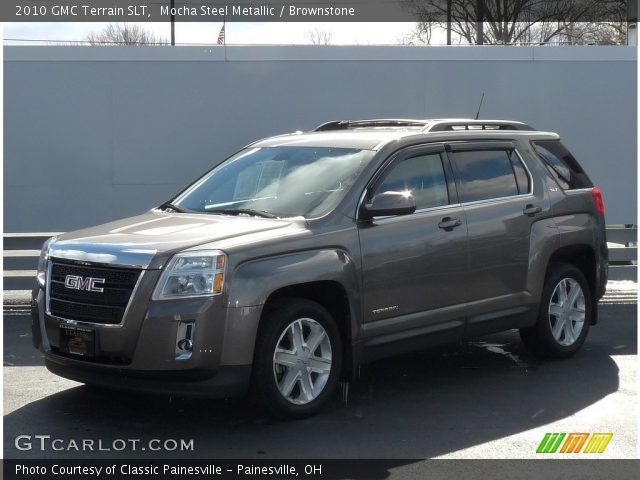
column 192, row 274
column 42, row 262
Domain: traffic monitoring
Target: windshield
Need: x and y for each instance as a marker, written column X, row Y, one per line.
column 277, row 181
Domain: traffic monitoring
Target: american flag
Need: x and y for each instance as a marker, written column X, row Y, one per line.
column 221, row 36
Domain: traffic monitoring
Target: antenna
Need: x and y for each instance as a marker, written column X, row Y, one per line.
column 480, row 106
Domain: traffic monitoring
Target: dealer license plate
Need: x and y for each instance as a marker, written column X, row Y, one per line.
column 77, row 340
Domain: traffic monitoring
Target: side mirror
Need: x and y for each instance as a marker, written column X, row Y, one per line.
column 389, row 203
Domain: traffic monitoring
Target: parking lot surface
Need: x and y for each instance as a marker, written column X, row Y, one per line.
column 485, row 399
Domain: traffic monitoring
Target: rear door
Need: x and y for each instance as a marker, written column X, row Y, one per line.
column 501, row 201
column 413, row 265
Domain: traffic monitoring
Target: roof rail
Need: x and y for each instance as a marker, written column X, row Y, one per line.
column 464, row 124
column 346, row 124
column 440, row 125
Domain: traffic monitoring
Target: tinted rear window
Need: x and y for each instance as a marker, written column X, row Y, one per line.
column 486, row 174
column 562, row 165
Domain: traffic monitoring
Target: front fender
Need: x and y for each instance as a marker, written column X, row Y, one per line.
column 253, row 281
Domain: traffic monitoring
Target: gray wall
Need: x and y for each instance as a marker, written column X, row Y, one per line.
column 94, row 134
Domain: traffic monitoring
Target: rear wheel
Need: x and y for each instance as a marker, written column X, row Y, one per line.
column 565, row 314
column 298, row 359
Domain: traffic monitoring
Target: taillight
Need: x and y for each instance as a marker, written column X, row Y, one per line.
column 596, row 193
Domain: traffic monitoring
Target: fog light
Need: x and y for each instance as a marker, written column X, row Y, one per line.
column 184, row 340
column 185, row 344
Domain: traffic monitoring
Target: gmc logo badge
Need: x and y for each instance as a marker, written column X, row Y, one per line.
column 89, row 284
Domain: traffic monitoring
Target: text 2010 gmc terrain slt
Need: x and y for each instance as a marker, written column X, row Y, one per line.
column 304, row 255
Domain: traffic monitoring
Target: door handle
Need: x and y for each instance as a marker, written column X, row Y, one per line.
column 449, row 223
column 531, row 210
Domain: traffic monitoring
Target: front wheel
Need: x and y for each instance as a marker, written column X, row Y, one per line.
column 565, row 314
column 298, row 359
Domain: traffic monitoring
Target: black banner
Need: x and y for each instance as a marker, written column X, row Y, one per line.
column 313, row 11
column 355, row 469
column 205, row 469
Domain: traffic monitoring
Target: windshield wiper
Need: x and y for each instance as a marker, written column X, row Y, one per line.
column 247, row 211
column 175, row 208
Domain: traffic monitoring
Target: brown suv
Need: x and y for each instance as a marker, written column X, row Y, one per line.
column 302, row 256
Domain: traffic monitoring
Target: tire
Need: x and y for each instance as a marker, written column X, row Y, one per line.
column 554, row 336
column 298, row 381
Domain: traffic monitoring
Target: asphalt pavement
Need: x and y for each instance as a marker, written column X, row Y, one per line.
column 486, row 399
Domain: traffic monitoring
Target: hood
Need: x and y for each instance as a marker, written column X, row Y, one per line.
column 136, row 241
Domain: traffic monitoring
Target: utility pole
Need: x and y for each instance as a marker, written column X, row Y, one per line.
column 480, row 24
column 449, row 22
column 173, row 24
column 632, row 23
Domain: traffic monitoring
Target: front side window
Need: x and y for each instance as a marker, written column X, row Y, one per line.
column 423, row 176
column 487, row 174
column 277, row 181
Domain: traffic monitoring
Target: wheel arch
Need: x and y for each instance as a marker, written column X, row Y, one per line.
column 583, row 257
column 327, row 277
column 566, row 239
column 332, row 296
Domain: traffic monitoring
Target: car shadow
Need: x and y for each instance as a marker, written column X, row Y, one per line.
column 421, row 405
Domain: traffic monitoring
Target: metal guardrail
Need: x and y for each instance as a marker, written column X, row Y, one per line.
column 20, row 258
column 623, row 252
column 21, row 251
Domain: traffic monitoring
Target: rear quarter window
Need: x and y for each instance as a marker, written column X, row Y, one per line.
column 562, row 165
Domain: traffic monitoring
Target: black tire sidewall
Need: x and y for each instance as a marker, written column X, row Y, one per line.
column 550, row 345
column 272, row 327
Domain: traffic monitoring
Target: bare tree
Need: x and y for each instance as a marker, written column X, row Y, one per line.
column 420, row 35
column 599, row 33
column 319, row 37
column 503, row 22
column 124, row 34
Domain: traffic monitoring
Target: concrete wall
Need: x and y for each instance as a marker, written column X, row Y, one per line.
column 94, row 134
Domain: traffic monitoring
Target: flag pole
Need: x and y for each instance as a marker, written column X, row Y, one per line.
column 224, row 37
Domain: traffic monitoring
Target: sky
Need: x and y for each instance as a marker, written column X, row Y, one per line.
column 237, row 33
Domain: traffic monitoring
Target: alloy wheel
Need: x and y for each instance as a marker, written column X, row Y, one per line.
column 302, row 361
column 567, row 311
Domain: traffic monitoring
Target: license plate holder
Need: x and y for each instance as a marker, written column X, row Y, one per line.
column 77, row 340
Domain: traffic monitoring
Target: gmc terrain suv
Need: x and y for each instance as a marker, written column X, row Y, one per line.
column 304, row 255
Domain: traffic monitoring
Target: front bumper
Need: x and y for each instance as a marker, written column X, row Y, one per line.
column 141, row 352
column 227, row 381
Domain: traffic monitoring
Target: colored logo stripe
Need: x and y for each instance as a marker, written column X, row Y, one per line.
column 598, row 442
column 574, row 442
column 550, row 443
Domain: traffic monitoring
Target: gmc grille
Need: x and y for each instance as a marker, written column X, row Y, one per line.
column 107, row 306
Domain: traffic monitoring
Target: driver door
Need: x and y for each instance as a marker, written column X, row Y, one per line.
column 415, row 266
